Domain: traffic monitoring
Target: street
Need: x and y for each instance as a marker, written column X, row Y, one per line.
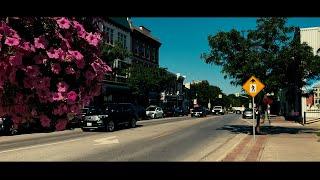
column 168, row 139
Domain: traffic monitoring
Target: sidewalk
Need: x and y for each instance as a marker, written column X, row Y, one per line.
column 284, row 141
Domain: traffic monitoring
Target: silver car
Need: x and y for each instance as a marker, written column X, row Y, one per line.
column 247, row 113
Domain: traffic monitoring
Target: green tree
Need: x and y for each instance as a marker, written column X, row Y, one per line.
column 272, row 52
column 143, row 80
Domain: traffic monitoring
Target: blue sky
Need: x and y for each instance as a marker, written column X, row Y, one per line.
column 184, row 39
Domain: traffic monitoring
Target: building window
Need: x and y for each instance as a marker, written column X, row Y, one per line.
column 122, row 39
column 316, row 95
column 153, row 54
column 136, row 47
column 109, row 35
column 147, row 52
column 141, row 50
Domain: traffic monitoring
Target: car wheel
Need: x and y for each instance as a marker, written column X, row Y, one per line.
column 110, row 126
column 133, row 123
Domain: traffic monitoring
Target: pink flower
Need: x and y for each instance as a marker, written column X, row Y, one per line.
column 82, row 34
column 69, row 70
column 56, row 111
column 74, row 109
column 57, row 96
column 72, row 96
column 63, row 109
column 40, row 42
column 45, row 121
column 16, row 60
column 63, row 23
column 93, row 39
column 80, row 63
column 28, row 47
column 90, row 75
column 56, row 53
column 76, row 54
column 11, row 41
column 61, row 125
column 62, row 87
column 55, row 68
column 78, row 26
column 96, row 67
column 32, row 71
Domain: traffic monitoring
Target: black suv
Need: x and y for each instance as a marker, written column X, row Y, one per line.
column 198, row 112
column 110, row 116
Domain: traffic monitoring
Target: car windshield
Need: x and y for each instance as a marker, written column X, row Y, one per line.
column 197, row 110
column 94, row 111
column 248, row 110
column 151, row 109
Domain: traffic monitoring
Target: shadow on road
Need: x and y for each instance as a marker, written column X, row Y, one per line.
column 247, row 129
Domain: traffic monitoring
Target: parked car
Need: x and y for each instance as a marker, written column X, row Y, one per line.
column 169, row 112
column 198, row 112
column 247, row 113
column 218, row 110
column 154, row 112
column 110, row 116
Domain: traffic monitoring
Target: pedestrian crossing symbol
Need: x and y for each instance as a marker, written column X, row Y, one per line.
column 253, row 86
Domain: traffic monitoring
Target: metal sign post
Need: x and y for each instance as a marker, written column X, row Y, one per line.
column 253, row 121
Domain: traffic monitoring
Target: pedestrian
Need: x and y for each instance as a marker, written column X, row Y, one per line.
column 258, row 114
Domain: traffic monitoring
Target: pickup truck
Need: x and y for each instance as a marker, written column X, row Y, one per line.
column 218, row 110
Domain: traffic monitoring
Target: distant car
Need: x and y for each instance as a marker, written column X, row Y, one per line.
column 198, row 112
column 247, row 113
column 110, row 116
column 154, row 112
column 169, row 112
column 218, row 110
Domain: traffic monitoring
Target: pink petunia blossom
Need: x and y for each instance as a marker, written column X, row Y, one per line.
column 40, row 42
column 69, row 70
column 12, row 41
column 78, row 26
column 63, row 23
column 96, row 66
column 72, row 96
column 62, row 87
column 27, row 46
column 61, row 124
column 56, row 68
column 76, row 54
column 45, row 121
column 82, row 34
column 63, row 109
column 57, row 96
column 56, row 111
column 56, row 53
column 93, row 39
column 16, row 60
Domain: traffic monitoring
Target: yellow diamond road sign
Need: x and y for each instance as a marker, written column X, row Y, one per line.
column 253, row 86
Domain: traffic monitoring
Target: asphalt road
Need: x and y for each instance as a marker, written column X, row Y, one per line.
column 168, row 139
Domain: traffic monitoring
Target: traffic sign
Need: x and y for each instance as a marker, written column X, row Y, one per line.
column 253, row 86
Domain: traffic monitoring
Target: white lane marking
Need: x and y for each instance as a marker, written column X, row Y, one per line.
column 107, row 140
column 41, row 145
